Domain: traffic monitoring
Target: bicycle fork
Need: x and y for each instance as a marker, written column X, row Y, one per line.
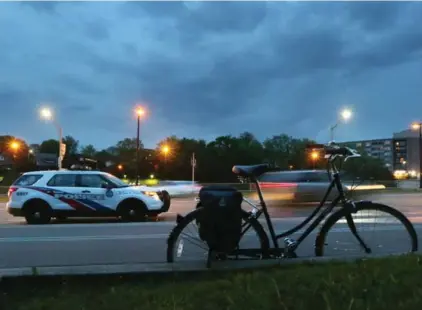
column 352, row 227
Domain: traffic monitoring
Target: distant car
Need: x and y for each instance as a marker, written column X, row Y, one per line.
column 41, row 195
column 178, row 188
column 297, row 186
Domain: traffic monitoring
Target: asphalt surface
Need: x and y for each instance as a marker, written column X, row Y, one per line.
column 80, row 242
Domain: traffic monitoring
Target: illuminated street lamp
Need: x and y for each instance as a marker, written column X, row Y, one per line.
column 165, row 149
column 418, row 126
column 47, row 114
column 120, row 167
column 345, row 115
column 15, row 145
column 314, row 157
column 140, row 112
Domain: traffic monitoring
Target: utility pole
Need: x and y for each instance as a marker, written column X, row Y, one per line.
column 193, row 163
column 137, row 150
column 420, row 155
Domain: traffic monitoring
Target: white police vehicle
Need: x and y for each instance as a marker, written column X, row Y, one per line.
column 41, row 195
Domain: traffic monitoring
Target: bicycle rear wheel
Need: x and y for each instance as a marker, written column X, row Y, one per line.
column 336, row 232
column 181, row 237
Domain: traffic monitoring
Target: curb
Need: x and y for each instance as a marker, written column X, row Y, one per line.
column 159, row 268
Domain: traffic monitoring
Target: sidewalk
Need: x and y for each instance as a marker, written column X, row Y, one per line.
column 144, row 268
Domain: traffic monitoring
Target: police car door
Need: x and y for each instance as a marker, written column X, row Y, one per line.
column 62, row 186
column 94, row 193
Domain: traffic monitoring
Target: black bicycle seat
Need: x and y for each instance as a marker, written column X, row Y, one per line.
column 251, row 171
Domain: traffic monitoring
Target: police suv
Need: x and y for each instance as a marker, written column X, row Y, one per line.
column 41, row 195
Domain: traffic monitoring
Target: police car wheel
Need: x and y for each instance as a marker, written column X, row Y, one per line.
column 37, row 215
column 132, row 211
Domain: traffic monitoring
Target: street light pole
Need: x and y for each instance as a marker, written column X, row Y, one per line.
column 137, row 150
column 420, row 155
column 419, row 127
column 346, row 114
column 332, row 131
column 47, row 114
column 59, row 128
column 139, row 112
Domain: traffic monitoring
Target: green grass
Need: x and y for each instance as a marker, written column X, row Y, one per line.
column 390, row 283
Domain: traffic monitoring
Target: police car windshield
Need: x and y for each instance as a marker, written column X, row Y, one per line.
column 115, row 180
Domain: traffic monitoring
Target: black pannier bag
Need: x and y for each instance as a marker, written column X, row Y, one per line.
column 220, row 224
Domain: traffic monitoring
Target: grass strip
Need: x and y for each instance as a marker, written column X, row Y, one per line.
column 387, row 283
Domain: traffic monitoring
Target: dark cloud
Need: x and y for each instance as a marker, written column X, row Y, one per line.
column 42, row 6
column 76, row 84
column 225, row 16
column 97, row 30
column 164, row 9
column 11, row 97
column 78, row 108
column 376, row 15
column 209, row 68
column 392, row 50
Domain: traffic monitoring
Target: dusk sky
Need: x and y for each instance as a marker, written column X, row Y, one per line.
column 204, row 69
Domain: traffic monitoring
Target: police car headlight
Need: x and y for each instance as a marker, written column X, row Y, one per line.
column 152, row 195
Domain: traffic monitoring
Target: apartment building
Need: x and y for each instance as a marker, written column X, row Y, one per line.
column 379, row 148
column 406, row 150
column 401, row 152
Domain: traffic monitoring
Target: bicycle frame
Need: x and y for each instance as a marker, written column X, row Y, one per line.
column 335, row 182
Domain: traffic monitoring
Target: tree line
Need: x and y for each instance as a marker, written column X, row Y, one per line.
column 214, row 159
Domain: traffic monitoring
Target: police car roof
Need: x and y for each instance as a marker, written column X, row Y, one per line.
column 48, row 172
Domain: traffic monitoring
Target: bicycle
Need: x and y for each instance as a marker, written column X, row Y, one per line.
column 320, row 215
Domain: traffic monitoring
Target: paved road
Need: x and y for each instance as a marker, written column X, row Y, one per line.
column 114, row 242
column 410, row 204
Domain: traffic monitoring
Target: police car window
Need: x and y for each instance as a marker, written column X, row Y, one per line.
column 27, row 180
column 114, row 180
column 65, row 180
column 93, row 180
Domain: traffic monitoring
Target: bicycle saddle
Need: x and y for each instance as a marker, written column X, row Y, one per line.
column 251, row 171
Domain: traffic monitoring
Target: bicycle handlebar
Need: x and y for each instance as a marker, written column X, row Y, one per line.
column 332, row 150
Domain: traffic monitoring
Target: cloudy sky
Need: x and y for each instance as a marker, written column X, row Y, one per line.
column 204, row 69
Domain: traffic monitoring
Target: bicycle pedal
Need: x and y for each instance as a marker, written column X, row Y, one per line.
column 289, row 242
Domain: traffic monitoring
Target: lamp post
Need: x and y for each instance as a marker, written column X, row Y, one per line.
column 345, row 115
column 14, row 146
column 165, row 149
column 314, row 157
column 30, row 153
column 418, row 126
column 139, row 113
column 47, row 114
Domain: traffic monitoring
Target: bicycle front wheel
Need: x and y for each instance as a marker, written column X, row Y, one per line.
column 373, row 229
column 184, row 243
